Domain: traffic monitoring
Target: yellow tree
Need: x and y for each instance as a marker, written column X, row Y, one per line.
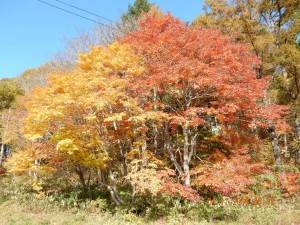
column 88, row 117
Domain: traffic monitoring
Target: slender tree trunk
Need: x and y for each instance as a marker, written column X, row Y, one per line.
column 168, row 147
column 186, row 158
column 155, row 130
column 124, row 160
column 8, row 152
column 113, row 195
column 253, row 147
column 155, row 138
column 125, row 168
column 144, row 152
column 81, row 178
column 276, row 147
column 2, row 153
column 286, row 147
column 35, row 173
column 110, row 187
column 298, row 129
column 109, row 182
column 298, row 134
column 114, row 188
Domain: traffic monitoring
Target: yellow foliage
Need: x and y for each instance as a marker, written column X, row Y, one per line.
column 67, row 146
column 80, row 112
column 33, row 137
column 114, row 59
column 144, row 180
column 130, row 155
column 24, row 162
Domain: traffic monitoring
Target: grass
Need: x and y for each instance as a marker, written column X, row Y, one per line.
column 13, row 213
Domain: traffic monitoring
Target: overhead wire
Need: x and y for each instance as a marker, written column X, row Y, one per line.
column 86, row 18
column 86, row 11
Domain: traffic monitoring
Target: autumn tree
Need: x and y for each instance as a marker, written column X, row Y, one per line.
column 13, row 116
column 36, row 77
column 9, row 91
column 200, row 78
column 269, row 28
column 89, row 119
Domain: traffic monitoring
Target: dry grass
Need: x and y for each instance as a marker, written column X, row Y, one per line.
column 15, row 214
column 12, row 213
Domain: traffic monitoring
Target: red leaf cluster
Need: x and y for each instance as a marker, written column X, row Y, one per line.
column 290, row 183
column 228, row 177
column 176, row 189
column 2, row 172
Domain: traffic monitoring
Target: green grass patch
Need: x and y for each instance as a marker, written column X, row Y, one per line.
column 12, row 212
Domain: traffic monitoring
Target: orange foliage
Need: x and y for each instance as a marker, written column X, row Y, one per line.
column 290, row 183
column 173, row 188
column 228, row 177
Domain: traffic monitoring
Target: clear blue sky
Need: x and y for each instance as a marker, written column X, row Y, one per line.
column 31, row 32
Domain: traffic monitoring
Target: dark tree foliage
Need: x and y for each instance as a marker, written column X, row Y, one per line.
column 8, row 93
column 136, row 9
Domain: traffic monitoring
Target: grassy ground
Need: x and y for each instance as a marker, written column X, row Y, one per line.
column 15, row 214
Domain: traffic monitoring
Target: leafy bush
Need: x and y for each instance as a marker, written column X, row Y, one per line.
column 214, row 212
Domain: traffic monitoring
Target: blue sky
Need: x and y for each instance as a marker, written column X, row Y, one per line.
column 32, row 32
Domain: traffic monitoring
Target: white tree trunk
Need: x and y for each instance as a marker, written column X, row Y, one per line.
column 2, row 153
column 298, row 134
column 186, row 159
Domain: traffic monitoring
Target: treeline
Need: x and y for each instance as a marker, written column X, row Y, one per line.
column 164, row 113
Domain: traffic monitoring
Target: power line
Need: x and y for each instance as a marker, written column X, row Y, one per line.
column 94, row 14
column 86, row 11
column 86, row 18
column 99, row 23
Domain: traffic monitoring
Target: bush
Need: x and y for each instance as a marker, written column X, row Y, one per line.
column 214, row 212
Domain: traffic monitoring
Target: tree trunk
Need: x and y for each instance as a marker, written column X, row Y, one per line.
column 186, row 158
column 144, row 152
column 168, row 147
column 2, row 153
column 276, row 147
column 113, row 189
column 155, row 142
column 124, row 160
column 114, row 195
column 298, row 129
column 298, row 134
column 8, row 152
column 155, row 130
column 286, row 147
column 35, row 173
column 81, row 179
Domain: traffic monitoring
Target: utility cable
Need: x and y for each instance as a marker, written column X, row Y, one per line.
column 86, row 18
column 94, row 14
column 86, row 11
